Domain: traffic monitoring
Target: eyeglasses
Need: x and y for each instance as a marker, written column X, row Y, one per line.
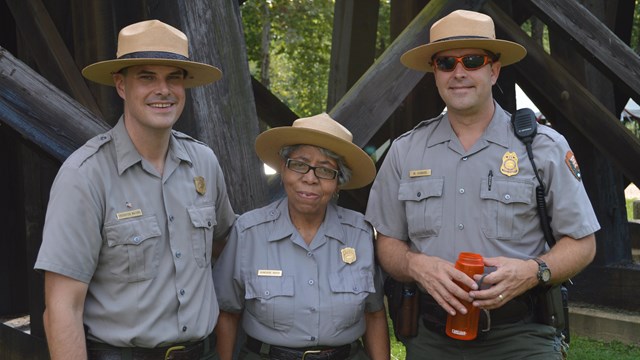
column 469, row 62
column 303, row 168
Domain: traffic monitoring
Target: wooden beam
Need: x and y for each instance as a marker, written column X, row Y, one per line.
column 269, row 107
column 49, row 50
column 17, row 345
column 569, row 98
column 224, row 112
column 370, row 101
column 614, row 286
column 353, row 44
column 42, row 113
column 597, row 43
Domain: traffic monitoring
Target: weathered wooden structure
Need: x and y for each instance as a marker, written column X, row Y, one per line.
column 47, row 110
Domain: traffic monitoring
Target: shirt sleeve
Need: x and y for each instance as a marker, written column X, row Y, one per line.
column 71, row 236
column 568, row 205
column 227, row 277
column 384, row 210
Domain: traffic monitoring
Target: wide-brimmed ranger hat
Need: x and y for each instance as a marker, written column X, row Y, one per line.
column 152, row 42
column 462, row 29
column 321, row 131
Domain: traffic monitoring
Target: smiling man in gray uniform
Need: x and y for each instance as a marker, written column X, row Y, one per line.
column 462, row 182
column 133, row 215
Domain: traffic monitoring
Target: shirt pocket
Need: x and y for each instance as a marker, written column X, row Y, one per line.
column 423, row 206
column 270, row 300
column 349, row 292
column 132, row 251
column 507, row 208
column 203, row 219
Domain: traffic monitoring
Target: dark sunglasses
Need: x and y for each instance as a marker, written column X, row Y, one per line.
column 320, row 171
column 469, row 62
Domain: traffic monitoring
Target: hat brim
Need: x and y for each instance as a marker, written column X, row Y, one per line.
column 197, row 73
column 419, row 58
column 269, row 143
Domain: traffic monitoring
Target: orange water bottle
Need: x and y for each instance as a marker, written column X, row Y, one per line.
column 465, row 326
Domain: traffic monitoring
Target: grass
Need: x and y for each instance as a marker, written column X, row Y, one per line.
column 630, row 209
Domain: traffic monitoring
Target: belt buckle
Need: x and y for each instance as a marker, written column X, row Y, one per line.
column 167, row 355
column 310, row 352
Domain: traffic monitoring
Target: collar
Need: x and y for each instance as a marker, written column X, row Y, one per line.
column 497, row 132
column 331, row 226
column 127, row 155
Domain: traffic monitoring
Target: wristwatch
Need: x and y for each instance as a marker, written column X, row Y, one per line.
column 544, row 273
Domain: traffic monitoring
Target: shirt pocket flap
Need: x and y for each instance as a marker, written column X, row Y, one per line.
column 419, row 190
column 353, row 283
column 203, row 216
column 132, row 232
column 268, row 287
column 508, row 192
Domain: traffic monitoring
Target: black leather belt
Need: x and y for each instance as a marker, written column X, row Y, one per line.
column 515, row 310
column 310, row 353
column 185, row 351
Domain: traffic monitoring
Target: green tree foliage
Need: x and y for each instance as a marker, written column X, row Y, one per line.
column 299, row 48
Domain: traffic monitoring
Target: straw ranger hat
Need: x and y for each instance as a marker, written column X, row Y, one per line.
column 462, row 29
column 152, row 42
column 321, row 131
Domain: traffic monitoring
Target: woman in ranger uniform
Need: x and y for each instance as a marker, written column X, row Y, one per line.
column 300, row 272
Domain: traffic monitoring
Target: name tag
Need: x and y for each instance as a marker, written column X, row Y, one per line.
column 269, row 272
column 418, row 173
column 129, row 214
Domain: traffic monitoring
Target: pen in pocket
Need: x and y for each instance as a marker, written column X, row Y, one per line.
column 489, row 180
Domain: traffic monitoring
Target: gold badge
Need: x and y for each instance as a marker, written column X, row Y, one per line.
column 201, row 186
column 509, row 165
column 348, row 255
column 572, row 163
column 419, row 173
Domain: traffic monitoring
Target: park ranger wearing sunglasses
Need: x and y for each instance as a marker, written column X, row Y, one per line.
column 454, row 184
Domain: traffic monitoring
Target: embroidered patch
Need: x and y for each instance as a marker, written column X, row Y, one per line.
column 572, row 163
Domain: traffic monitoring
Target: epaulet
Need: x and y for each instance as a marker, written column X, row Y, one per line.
column 258, row 216
column 182, row 136
column 78, row 157
column 353, row 219
column 422, row 124
column 549, row 132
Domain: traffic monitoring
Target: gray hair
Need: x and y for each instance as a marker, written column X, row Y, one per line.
column 344, row 174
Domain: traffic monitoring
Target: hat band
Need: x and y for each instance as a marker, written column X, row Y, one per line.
column 462, row 38
column 154, row 55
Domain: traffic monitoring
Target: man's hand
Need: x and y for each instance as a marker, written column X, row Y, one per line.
column 442, row 281
column 511, row 278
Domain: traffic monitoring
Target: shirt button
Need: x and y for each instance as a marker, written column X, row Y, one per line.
column 266, row 293
column 102, row 137
column 309, row 254
column 184, row 328
column 313, row 338
column 209, row 223
column 465, row 158
column 507, row 197
column 182, row 291
column 419, row 194
column 310, row 282
column 170, row 217
column 136, row 239
column 178, row 254
column 461, row 191
column 460, row 226
column 313, row 309
column 355, row 288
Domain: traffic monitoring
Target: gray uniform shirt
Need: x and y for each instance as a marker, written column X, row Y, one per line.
column 140, row 240
column 446, row 200
column 298, row 295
